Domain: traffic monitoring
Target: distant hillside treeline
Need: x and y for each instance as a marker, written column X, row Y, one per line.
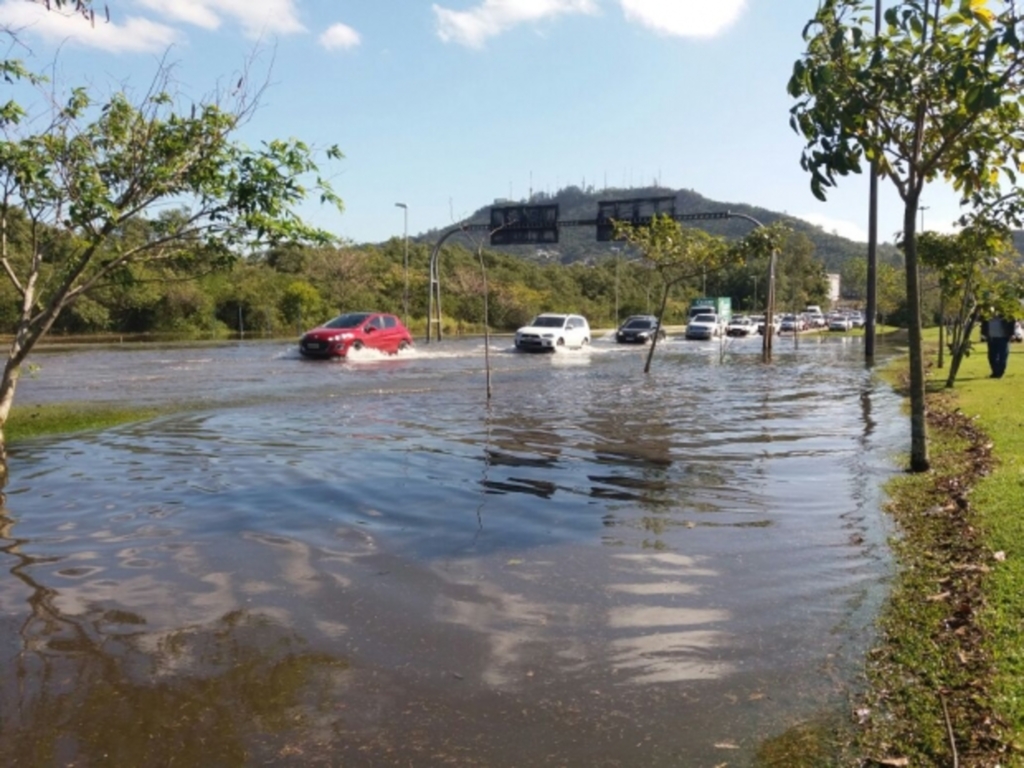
column 285, row 290
column 579, row 244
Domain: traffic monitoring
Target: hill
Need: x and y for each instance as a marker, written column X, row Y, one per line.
column 579, row 243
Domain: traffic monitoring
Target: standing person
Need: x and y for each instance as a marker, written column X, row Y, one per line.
column 997, row 331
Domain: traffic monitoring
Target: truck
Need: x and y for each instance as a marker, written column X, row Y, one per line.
column 720, row 305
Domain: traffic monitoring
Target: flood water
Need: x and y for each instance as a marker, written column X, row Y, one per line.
column 361, row 563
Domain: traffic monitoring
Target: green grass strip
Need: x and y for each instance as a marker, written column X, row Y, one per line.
column 946, row 680
column 27, row 421
column 998, row 408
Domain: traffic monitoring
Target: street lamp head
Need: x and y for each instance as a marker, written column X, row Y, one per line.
column 401, row 205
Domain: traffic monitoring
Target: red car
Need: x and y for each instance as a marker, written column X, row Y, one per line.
column 356, row 330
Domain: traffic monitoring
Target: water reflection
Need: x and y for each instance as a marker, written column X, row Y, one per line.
column 663, row 643
column 99, row 686
column 597, row 576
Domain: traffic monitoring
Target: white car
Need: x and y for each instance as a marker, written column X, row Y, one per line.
column 704, row 326
column 793, row 323
column 548, row 331
column 740, row 326
column 815, row 320
column 839, row 323
column 776, row 324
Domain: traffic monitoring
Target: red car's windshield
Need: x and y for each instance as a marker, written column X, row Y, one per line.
column 351, row 320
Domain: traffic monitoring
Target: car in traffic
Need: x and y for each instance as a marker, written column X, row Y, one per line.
column 792, row 324
column 814, row 320
column 639, row 329
column 839, row 322
column 549, row 331
column 741, row 326
column 776, row 324
column 703, row 327
column 353, row 331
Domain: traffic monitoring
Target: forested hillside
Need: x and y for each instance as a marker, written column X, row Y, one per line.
column 579, row 244
column 285, row 290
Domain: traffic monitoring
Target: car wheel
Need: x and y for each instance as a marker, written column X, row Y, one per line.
column 560, row 343
column 357, row 346
column 403, row 345
column 586, row 342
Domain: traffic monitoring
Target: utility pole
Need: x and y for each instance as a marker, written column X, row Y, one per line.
column 871, row 311
column 405, row 236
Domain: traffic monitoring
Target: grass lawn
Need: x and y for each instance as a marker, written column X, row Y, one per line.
column 998, row 405
column 66, row 418
column 946, row 681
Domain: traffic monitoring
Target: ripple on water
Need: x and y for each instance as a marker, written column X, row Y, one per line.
column 596, row 565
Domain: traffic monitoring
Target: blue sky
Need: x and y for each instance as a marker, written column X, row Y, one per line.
column 449, row 105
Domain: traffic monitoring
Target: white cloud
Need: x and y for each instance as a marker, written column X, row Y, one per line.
column 839, row 227
column 492, row 17
column 133, row 35
column 684, row 18
column 339, row 36
column 256, row 17
column 197, row 12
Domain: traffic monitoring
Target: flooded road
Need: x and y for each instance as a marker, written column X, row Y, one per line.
column 361, row 563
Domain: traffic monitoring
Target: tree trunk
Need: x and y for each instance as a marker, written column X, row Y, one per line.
column 963, row 327
column 942, row 331
column 919, row 461
column 7, row 386
column 960, row 346
column 661, row 315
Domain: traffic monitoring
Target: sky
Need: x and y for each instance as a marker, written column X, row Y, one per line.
column 448, row 106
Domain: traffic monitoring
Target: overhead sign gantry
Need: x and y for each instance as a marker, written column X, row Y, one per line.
column 539, row 225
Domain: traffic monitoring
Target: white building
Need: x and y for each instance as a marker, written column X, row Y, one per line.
column 833, row 287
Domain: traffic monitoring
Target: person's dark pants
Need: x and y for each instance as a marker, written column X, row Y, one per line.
column 998, row 353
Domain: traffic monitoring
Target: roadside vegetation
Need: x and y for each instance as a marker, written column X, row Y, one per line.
column 285, row 290
column 946, row 680
column 932, row 93
column 27, row 421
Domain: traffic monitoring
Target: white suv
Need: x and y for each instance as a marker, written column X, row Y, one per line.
column 548, row 331
column 704, row 326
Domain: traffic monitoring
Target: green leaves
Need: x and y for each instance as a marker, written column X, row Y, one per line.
column 99, row 168
column 931, row 94
column 678, row 252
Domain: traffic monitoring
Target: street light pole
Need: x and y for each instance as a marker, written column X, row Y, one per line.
column 405, row 237
column 871, row 309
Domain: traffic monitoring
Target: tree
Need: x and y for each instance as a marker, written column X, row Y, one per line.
column 301, row 304
column 891, row 291
column 676, row 253
column 975, row 267
column 938, row 94
column 71, row 190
